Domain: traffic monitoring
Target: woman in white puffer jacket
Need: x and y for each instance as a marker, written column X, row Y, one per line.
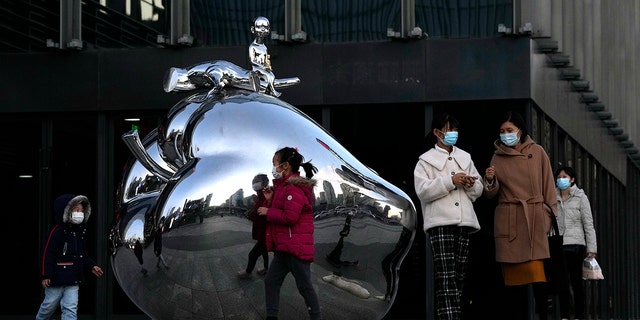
column 575, row 222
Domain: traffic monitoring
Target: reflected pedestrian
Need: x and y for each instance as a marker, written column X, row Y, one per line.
column 259, row 183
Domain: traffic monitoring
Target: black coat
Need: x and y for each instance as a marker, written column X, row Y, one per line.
column 64, row 256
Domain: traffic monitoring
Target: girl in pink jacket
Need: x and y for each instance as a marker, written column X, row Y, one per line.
column 289, row 234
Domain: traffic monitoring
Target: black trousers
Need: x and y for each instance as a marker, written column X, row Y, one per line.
column 574, row 255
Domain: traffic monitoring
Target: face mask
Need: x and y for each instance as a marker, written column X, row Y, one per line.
column 563, row 183
column 276, row 174
column 509, row 139
column 450, row 138
column 257, row 186
column 77, row 217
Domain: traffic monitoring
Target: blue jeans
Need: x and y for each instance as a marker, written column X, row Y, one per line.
column 65, row 296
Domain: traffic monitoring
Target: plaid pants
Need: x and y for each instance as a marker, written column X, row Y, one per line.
column 450, row 247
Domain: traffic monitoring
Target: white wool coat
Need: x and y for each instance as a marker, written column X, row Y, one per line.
column 444, row 204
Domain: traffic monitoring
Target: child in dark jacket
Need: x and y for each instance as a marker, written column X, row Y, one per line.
column 64, row 259
column 259, row 182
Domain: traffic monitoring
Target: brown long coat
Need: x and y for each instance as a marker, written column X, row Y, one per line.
column 524, row 182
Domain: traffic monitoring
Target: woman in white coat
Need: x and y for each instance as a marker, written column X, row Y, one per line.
column 575, row 222
column 446, row 182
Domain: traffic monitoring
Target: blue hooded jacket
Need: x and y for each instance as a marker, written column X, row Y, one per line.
column 64, row 258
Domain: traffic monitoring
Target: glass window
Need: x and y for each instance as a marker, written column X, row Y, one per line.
column 535, row 119
column 593, row 178
column 73, row 168
column 20, row 161
column 547, row 138
column 579, row 163
column 569, row 156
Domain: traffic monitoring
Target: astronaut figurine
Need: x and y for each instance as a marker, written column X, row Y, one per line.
column 259, row 58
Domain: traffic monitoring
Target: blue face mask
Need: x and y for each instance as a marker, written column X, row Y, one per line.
column 563, row 183
column 509, row 139
column 450, row 138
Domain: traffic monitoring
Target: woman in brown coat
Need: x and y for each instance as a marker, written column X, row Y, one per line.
column 521, row 175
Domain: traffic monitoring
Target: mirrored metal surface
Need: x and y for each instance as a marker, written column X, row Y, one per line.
column 200, row 215
column 181, row 233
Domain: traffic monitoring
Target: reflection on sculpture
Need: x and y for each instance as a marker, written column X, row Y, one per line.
column 258, row 229
column 157, row 245
column 335, row 256
column 137, row 250
column 188, row 186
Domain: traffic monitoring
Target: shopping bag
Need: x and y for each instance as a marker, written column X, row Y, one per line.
column 591, row 269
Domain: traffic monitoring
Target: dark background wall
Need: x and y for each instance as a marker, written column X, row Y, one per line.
column 416, row 71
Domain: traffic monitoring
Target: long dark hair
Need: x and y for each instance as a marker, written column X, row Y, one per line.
column 440, row 121
column 296, row 160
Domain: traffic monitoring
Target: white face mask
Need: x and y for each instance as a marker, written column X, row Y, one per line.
column 257, row 186
column 276, row 174
column 77, row 217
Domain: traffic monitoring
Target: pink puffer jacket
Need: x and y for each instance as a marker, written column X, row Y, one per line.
column 290, row 217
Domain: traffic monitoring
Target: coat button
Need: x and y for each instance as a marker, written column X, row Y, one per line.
column 457, row 204
column 449, row 158
column 530, row 156
column 453, row 173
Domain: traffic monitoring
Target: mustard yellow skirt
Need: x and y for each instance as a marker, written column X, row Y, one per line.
column 516, row 274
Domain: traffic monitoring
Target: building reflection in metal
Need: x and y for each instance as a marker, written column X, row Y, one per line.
column 206, row 238
column 187, row 190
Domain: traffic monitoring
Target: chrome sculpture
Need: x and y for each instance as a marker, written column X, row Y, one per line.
column 187, row 190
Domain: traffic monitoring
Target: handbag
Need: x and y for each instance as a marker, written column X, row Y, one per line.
column 555, row 267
